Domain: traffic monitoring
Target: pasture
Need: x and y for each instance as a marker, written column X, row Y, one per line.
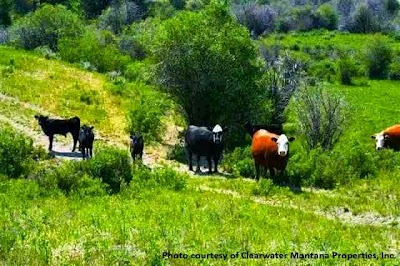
column 67, row 217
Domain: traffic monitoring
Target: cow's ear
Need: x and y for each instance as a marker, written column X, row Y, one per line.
column 274, row 139
column 291, row 139
column 91, row 128
column 373, row 137
column 225, row 129
column 131, row 137
column 385, row 136
column 36, row 116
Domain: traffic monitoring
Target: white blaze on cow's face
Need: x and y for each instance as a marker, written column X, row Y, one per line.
column 217, row 134
column 283, row 144
column 379, row 140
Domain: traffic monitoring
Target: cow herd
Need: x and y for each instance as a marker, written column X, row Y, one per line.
column 269, row 147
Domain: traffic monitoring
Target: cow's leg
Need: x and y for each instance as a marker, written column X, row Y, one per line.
column 141, row 155
column 209, row 164
column 216, row 164
column 190, row 161
column 83, row 151
column 51, row 142
column 91, row 152
column 75, row 137
column 257, row 167
column 272, row 172
column 198, row 164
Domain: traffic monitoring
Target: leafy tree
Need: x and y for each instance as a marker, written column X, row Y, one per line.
column 364, row 21
column 5, row 8
column 207, row 61
column 93, row 8
column 326, row 17
column 46, row 26
column 379, row 58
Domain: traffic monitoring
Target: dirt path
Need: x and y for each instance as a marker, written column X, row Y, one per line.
column 62, row 149
column 343, row 215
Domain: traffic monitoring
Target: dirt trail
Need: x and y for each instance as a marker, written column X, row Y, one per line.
column 344, row 216
column 61, row 146
column 62, row 149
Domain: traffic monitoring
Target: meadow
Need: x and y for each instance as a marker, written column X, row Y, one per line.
column 78, row 222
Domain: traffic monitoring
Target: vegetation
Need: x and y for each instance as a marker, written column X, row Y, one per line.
column 154, row 67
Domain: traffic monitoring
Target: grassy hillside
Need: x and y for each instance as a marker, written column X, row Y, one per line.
column 42, row 225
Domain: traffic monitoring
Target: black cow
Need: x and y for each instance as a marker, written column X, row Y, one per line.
column 52, row 127
column 272, row 128
column 136, row 146
column 204, row 142
column 86, row 139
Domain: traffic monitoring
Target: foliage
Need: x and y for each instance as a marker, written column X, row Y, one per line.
column 239, row 162
column 346, row 70
column 394, row 69
column 364, row 21
column 5, row 8
column 326, row 17
column 379, row 57
column 16, row 153
column 281, row 80
column 100, row 49
column 206, row 70
column 112, row 166
column 146, row 110
column 92, row 9
column 118, row 15
column 46, row 26
column 258, row 19
column 321, row 117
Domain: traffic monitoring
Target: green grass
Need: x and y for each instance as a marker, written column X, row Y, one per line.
column 138, row 226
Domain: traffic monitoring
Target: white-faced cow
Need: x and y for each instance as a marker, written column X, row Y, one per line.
column 204, row 142
column 388, row 138
column 270, row 151
column 52, row 127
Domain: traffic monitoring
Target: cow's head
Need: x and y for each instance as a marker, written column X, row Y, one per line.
column 380, row 139
column 135, row 139
column 283, row 144
column 217, row 134
column 41, row 119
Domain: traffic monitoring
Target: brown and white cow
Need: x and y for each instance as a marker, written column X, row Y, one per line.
column 388, row 138
column 270, row 151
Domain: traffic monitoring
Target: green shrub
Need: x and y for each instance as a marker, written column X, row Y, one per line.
column 98, row 48
column 164, row 177
column 147, row 109
column 264, row 187
column 111, row 165
column 379, row 58
column 239, row 162
column 326, row 17
column 346, row 70
column 46, row 26
column 16, row 153
column 364, row 21
column 394, row 69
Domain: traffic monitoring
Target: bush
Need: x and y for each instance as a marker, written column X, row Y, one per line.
column 239, row 162
column 394, row 69
column 5, row 8
column 164, row 178
column 326, row 17
column 118, row 15
column 258, row 19
column 46, row 26
column 364, row 21
column 112, row 166
column 92, row 8
column 321, row 117
column 347, row 70
column 4, row 36
column 379, row 58
column 147, row 109
column 16, row 153
column 98, row 48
